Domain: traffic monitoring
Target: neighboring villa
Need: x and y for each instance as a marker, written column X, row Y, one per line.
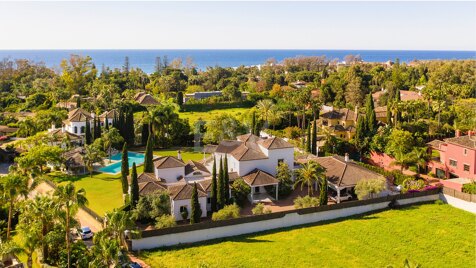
column 108, row 116
column 340, row 122
column 344, row 174
column 73, row 161
column 62, row 138
column 76, row 122
column 201, row 95
column 145, row 99
column 454, row 157
column 253, row 158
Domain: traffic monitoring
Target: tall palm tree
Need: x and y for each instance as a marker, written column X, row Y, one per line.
column 403, row 160
column 15, row 186
column 266, row 109
column 310, row 173
column 105, row 250
column 117, row 223
column 92, row 155
column 421, row 157
column 69, row 200
column 110, row 137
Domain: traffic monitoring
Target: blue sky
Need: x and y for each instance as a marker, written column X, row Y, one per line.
column 245, row 25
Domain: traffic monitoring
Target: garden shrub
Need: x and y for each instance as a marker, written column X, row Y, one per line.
column 228, row 212
column 260, row 209
column 469, row 188
column 368, row 188
column 240, row 191
column 165, row 221
column 412, row 185
column 306, row 202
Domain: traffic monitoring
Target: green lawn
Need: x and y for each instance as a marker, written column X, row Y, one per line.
column 104, row 191
column 194, row 116
column 431, row 235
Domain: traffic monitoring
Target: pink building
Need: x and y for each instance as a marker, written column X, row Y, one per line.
column 454, row 157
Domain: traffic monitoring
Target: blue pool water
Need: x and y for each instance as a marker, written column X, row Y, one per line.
column 116, row 167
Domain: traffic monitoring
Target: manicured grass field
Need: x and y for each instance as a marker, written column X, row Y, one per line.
column 194, row 116
column 431, row 235
column 104, row 191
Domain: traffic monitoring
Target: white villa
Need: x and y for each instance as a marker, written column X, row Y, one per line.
column 76, row 122
column 250, row 157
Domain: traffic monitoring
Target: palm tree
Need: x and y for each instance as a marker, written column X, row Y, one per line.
column 7, row 248
column 15, row 185
column 30, row 241
column 421, row 157
column 403, row 160
column 110, row 137
column 266, row 109
column 69, row 200
column 118, row 222
column 92, row 155
column 310, row 173
column 105, row 250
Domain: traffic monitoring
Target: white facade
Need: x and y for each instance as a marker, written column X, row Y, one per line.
column 78, row 128
column 176, row 204
column 170, row 175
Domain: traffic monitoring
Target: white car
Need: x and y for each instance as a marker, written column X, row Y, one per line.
column 86, row 233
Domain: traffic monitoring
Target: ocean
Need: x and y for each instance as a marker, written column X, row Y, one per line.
column 145, row 59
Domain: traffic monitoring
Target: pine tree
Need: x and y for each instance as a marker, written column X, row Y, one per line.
column 145, row 133
column 149, row 154
column 213, row 195
column 308, row 139
column 226, row 180
column 126, row 65
column 124, row 169
column 134, row 186
column 195, row 205
column 323, row 192
column 314, row 137
column 221, row 187
column 88, row 133
column 370, row 116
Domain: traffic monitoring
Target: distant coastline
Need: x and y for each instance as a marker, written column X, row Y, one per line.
column 202, row 58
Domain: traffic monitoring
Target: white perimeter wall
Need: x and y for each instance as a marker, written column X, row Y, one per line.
column 290, row 219
column 459, row 203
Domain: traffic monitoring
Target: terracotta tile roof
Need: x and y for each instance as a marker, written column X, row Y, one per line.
column 194, row 166
column 183, row 191
column 78, row 115
column 435, row 144
column 465, row 141
column 233, row 176
column 110, row 114
column 206, row 185
column 59, row 135
column 74, row 158
column 248, row 138
column 407, row 95
column 381, row 111
column 244, row 153
column 227, row 146
column 275, row 143
column 345, row 174
column 145, row 99
column 168, row 162
column 150, row 187
column 341, row 114
column 258, row 177
column 7, row 129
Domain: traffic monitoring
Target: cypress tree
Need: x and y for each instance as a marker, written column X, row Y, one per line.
column 99, row 128
column 253, row 123
column 134, row 186
column 148, row 163
column 398, row 114
column 389, row 114
column 323, row 192
column 213, row 196
column 180, row 98
column 370, row 117
column 226, row 180
column 78, row 102
column 145, row 133
column 314, row 137
column 195, row 205
column 106, row 123
column 88, row 132
column 130, row 135
column 221, row 187
column 308, row 139
column 124, row 169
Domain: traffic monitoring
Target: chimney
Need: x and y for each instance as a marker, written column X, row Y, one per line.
column 53, row 127
column 62, row 129
column 346, row 157
column 457, row 133
column 179, row 155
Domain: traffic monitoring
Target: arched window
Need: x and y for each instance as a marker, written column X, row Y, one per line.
column 82, row 129
column 75, row 129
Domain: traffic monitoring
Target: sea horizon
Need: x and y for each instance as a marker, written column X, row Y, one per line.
column 203, row 58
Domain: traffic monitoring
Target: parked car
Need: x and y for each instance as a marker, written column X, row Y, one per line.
column 86, row 233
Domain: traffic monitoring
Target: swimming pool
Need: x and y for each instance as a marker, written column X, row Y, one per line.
column 116, row 167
